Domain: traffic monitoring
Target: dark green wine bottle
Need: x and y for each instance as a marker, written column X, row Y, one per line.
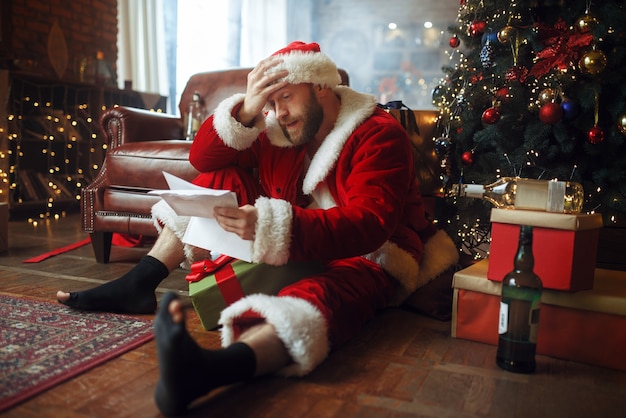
column 519, row 310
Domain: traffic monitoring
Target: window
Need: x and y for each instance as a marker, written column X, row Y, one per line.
column 201, row 39
column 389, row 49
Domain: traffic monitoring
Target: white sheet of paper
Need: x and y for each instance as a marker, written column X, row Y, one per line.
column 208, row 234
column 176, row 183
column 203, row 231
column 187, row 199
column 197, row 202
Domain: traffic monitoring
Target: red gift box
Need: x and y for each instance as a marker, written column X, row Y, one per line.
column 586, row 326
column 564, row 246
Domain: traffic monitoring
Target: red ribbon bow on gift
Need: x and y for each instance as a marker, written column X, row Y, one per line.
column 201, row 269
column 225, row 277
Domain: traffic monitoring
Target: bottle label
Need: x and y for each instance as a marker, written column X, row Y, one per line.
column 503, row 322
column 531, row 195
column 556, row 196
column 541, row 195
column 473, row 190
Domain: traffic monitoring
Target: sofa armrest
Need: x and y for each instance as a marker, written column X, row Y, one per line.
column 122, row 125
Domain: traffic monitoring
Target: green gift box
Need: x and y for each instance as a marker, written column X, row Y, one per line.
column 238, row 278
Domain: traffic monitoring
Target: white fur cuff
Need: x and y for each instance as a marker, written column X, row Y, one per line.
column 232, row 132
column 298, row 324
column 273, row 231
column 163, row 214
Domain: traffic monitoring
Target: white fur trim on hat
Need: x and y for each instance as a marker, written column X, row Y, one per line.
column 299, row 325
column 273, row 231
column 309, row 67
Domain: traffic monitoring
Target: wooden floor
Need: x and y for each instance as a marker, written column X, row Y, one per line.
column 403, row 365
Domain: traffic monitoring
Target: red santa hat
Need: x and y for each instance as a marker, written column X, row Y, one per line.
column 307, row 64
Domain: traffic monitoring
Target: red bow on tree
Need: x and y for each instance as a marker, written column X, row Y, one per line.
column 563, row 46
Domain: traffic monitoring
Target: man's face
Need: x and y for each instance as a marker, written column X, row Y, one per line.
column 298, row 111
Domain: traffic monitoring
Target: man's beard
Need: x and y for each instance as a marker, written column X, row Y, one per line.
column 313, row 116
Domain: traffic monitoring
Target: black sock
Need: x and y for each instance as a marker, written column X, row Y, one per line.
column 131, row 293
column 188, row 371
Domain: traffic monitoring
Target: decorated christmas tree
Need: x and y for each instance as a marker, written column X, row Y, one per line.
column 535, row 89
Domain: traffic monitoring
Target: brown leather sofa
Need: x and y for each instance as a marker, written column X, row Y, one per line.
column 143, row 144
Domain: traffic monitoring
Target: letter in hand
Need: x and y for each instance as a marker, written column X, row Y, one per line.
column 263, row 81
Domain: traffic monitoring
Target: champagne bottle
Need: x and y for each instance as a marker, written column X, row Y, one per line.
column 194, row 117
column 521, row 193
column 519, row 310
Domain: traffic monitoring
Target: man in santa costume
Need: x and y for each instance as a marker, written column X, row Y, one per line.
column 334, row 182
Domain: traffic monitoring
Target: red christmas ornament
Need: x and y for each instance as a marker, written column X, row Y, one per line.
column 595, row 135
column 517, row 73
column 467, row 158
column 550, row 113
column 455, row 41
column 502, row 93
column 491, row 116
column 477, row 28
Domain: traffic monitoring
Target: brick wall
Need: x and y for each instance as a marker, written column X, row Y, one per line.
column 87, row 26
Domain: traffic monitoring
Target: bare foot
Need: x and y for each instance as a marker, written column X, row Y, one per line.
column 176, row 311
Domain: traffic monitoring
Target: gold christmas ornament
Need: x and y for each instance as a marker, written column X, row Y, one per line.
column 592, row 62
column 621, row 123
column 546, row 96
column 586, row 23
column 505, row 34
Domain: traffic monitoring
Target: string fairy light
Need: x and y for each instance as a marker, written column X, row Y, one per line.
column 53, row 143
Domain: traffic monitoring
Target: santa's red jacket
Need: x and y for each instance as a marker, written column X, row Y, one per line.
column 361, row 180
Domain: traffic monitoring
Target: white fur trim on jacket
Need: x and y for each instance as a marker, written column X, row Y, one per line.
column 232, row 132
column 273, row 231
column 163, row 214
column 299, row 325
column 440, row 253
column 355, row 108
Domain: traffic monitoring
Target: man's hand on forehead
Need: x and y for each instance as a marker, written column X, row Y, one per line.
column 262, row 83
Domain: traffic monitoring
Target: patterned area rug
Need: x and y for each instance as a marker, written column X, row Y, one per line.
column 43, row 344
